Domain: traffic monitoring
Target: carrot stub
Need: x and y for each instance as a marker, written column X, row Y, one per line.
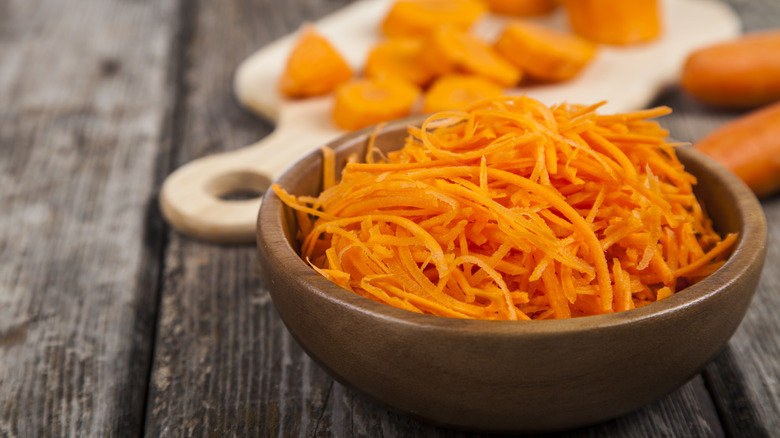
column 365, row 102
column 618, row 22
column 314, row 66
column 509, row 209
column 421, row 17
column 450, row 50
column 749, row 146
column 455, row 91
column 544, row 54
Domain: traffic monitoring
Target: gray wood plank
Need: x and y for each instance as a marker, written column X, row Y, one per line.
column 744, row 380
column 687, row 412
column 84, row 98
column 224, row 363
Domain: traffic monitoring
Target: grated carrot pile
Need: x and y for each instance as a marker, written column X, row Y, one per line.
column 513, row 210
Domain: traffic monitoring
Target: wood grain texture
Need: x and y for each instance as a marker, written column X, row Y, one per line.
column 745, row 380
column 99, row 103
column 224, row 363
column 84, row 100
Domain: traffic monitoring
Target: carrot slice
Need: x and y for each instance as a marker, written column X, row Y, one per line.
column 450, row 50
column 314, row 66
column 365, row 102
column 509, row 209
column 522, row 7
column 616, row 22
column 421, row 17
column 456, row 91
column 400, row 58
column 543, row 53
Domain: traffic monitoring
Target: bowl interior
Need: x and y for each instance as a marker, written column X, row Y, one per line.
column 730, row 204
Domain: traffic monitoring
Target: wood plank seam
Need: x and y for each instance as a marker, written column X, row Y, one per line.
column 172, row 135
column 736, row 411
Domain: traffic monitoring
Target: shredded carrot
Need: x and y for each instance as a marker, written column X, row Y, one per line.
column 328, row 168
column 512, row 210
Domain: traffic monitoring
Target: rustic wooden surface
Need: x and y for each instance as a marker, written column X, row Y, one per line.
column 111, row 324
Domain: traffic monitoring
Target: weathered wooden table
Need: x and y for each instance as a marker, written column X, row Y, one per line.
column 112, row 324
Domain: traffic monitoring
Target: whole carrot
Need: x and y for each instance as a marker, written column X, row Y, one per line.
column 742, row 73
column 750, row 147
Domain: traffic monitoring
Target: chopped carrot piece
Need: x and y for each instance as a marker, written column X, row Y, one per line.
column 314, row 67
column 522, row 8
column 512, row 210
column 450, row 50
column 618, row 22
column 545, row 54
column 451, row 92
column 401, row 58
column 421, row 17
column 365, row 102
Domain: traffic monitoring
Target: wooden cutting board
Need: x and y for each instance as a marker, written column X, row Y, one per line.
column 628, row 78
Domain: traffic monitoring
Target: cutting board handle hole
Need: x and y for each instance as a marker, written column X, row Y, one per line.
column 240, row 195
column 239, row 185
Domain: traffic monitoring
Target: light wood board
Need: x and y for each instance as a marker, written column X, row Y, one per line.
column 627, row 78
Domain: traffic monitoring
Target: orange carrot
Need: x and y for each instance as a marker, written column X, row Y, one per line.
column 401, row 58
column 365, row 102
column 451, row 92
column 615, row 21
column 544, row 54
column 449, row 50
column 750, row 147
column 314, row 66
column 421, row 17
column 523, row 8
column 509, row 209
column 742, row 73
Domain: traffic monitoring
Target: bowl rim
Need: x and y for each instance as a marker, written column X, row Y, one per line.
column 748, row 254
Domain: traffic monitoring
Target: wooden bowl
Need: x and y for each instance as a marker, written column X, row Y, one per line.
column 508, row 376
